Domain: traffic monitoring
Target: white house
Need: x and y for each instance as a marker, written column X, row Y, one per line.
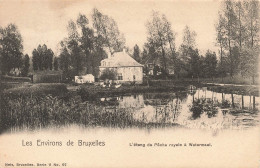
column 89, row 78
column 127, row 69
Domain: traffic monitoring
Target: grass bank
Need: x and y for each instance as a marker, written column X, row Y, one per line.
column 36, row 90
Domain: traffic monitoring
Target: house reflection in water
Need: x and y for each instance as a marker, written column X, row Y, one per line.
column 202, row 109
column 133, row 101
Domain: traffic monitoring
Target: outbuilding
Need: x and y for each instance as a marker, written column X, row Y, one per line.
column 88, row 78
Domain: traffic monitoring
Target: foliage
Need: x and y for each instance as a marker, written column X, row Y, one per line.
column 136, row 54
column 210, row 64
column 25, row 65
column 238, row 37
column 109, row 74
column 161, row 39
column 200, row 106
column 42, row 58
column 11, row 48
column 83, row 50
column 108, row 31
column 56, row 64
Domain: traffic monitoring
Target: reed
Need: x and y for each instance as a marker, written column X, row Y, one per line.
column 31, row 112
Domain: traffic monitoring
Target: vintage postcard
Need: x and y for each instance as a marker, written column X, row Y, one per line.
column 129, row 83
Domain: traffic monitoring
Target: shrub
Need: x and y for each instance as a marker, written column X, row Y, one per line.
column 108, row 74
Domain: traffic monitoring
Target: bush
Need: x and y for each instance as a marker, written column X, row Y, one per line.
column 108, row 74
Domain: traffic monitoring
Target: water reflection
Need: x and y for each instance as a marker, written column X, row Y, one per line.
column 199, row 108
column 196, row 108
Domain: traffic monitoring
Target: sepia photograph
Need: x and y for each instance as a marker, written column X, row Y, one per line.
column 129, row 83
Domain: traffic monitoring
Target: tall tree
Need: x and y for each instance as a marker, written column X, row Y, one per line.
column 35, row 60
column 252, row 51
column 221, row 41
column 56, row 64
column 49, row 56
column 194, row 62
column 64, row 60
column 238, row 35
column 188, row 42
column 86, row 42
column 11, row 48
column 42, row 58
column 231, row 22
column 161, row 37
column 210, row 62
column 78, row 58
column 25, row 65
column 136, row 54
column 107, row 29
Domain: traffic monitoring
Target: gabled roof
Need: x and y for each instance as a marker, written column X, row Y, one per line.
column 120, row 59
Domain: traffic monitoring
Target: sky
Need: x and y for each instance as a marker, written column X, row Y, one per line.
column 45, row 21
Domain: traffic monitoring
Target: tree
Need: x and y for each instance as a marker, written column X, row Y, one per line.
column 64, row 60
column 35, row 59
column 136, row 54
column 238, row 36
column 49, row 57
column 56, row 64
column 160, row 37
column 78, row 57
column 210, row 62
column 11, row 48
column 189, row 37
column 42, row 58
column 188, row 55
column 25, row 65
column 107, row 29
column 194, row 62
column 251, row 53
column 86, row 41
column 188, row 42
column 221, row 41
column 230, row 29
column 108, row 74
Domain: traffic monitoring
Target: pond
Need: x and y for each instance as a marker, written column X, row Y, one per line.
column 194, row 108
column 200, row 108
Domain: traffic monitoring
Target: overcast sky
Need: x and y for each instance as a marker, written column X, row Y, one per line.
column 45, row 21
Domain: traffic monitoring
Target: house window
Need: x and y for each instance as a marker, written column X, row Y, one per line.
column 120, row 76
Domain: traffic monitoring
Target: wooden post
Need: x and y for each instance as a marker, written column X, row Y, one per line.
column 253, row 102
column 232, row 96
column 242, row 102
